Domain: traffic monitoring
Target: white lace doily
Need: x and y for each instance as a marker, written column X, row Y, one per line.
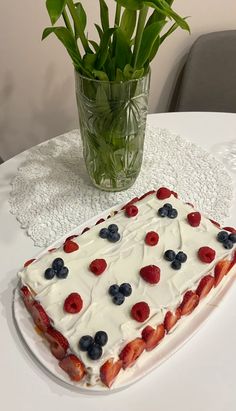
column 52, row 194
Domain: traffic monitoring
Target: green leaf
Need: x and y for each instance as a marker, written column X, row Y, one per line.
column 89, row 61
column 95, row 45
column 100, row 75
column 104, row 48
column 119, row 75
column 82, row 18
column 138, row 73
column 122, row 49
column 104, row 15
column 99, row 30
column 55, row 9
column 149, row 37
column 128, row 22
column 131, row 4
column 163, row 8
column 128, row 72
column 170, row 31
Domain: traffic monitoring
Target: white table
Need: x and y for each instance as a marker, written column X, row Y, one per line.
column 201, row 376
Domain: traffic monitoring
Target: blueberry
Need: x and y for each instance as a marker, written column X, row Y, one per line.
column 118, row 299
column 113, row 228
column 113, row 237
column 101, row 338
column 232, row 237
column 172, row 213
column 163, row 212
column 222, row 236
column 113, row 289
column 95, row 352
column 63, row 273
column 168, row 206
column 57, row 264
column 182, row 257
column 49, row 273
column 103, row 233
column 176, row 264
column 85, row 342
column 228, row 244
column 169, row 255
column 125, row 289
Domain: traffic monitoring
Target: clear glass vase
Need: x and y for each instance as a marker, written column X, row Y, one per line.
column 112, row 118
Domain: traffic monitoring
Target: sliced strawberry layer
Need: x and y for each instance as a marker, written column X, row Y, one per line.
column 221, row 269
column 40, row 317
column 153, row 336
column 205, row 286
column 73, row 367
column 58, row 343
column 189, row 303
column 131, row 352
column 147, row 194
column 171, row 319
column 109, row 371
column 27, row 297
column 29, row 262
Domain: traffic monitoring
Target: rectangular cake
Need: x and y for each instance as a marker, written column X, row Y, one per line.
column 122, row 286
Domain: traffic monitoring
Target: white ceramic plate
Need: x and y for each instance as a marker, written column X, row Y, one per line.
column 149, row 361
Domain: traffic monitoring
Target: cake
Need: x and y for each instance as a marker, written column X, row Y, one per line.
column 115, row 291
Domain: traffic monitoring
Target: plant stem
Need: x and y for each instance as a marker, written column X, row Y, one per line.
column 73, row 13
column 139, row 32
column 67, row 21
column 117, row 15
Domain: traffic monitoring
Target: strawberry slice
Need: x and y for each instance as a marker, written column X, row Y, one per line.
column 147, row 194
column 190, row 301
column 221, row 269
column 73, row 367
column 153, row 336
column 171, row 319
column 109, row 371
column 205, row 286
column 131, row 352
column 27, row 297
column 40, row 317
column 29, row 262
column 58, row 343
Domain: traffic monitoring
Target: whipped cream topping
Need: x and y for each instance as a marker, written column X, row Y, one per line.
column 124, row 261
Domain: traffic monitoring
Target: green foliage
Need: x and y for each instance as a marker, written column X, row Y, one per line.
column 125, row 48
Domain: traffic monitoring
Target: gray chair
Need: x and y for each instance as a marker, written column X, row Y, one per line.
column 1, row 160
column 208, row 79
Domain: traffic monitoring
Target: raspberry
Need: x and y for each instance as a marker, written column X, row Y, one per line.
column 73, row 303
column 206, row 254
column 150, row 274
column 140, row 311
column 131, row 210
column 98, row 266
column 194, row 219
column 163, row 193
column 70, row 246
column 151, row 238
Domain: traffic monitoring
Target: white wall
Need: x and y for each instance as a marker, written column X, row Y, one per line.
column 37, row 98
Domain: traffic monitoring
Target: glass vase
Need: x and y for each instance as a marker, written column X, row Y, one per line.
column 112, row 118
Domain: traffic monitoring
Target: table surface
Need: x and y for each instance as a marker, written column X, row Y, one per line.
column 200, row 376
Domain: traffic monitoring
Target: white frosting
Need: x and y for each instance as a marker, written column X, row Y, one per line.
column 124, row 260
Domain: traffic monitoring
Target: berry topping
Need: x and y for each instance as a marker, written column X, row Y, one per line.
column 205, row 286
column 118, row 299
column 171, row 319
column 49, row 273
column 101, row 338
column 63, row 273
column 125, row 289
column 113, row 237
column 174, row 194
column 230, row 229
column 169, row 255
column 95, row 352
column 228, row 244
column 206, row 254
column 71, row 237
column 131, row 210
column 98, row 266
column 131, row 352
column 172, row 213
column 85, row 342
column 58, row 343
column 151, row 238
column 189, row 303
column 232, row 237
column 176, row 264
column 103, row 233
column 57, row 264
column 194, row 219
column 150, row 274
column 109, row 370
column 147, row 194
column 163, row 193
column 27, row 297
column 100, row 221
column 40, row 316
column 85, row 229
column 140, row 311
column 163, row 212
column 168, row 206
column 28, row 262
column 221, row 269
column 113, row 289
column 153, row 336
column 73, row 367
column 70, row 246
column 215, row 223
column 113, row 228
column 181, row 256
column 73, row 303
column 222, row 236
